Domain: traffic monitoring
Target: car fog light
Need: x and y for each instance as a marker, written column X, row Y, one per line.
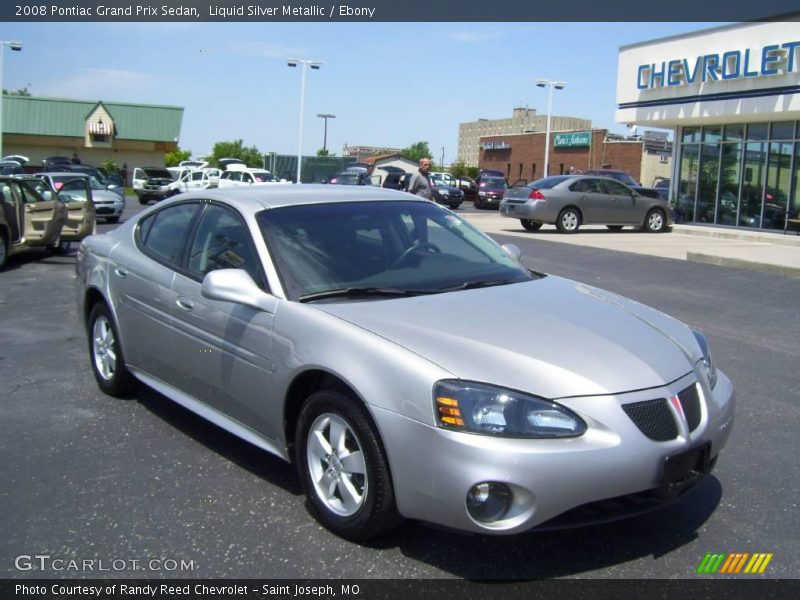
column 488, row 502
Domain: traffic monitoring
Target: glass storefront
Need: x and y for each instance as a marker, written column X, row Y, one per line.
column 738, row 175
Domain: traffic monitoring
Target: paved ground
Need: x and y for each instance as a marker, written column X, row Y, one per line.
column 85, row 476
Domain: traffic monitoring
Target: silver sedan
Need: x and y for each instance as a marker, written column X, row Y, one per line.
column 335, row 327
column 569, row 201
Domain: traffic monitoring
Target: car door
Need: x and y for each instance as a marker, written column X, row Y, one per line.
column 594, row 203
column 39, row 219
column 140, row 280
column 76, row 194
column 223, row 349
column 626, row 206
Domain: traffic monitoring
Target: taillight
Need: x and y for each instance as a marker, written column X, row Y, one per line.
column 536, row 195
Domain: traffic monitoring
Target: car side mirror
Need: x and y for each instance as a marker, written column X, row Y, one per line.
column 236, row 285
column 513, row 251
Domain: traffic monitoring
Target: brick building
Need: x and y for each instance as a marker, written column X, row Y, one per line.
column 521, row 156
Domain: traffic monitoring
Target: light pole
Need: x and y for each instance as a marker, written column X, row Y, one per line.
column 293, row 62
column 559, row 85
column 325, row 136
column 16, row 46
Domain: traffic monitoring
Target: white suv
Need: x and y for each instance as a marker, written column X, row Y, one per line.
column 246, row 176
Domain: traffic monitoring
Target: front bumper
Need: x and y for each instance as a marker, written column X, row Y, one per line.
column 433, row 469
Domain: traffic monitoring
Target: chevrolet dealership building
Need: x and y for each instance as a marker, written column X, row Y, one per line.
column 732, row 96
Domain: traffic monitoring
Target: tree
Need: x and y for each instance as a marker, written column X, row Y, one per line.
column 173, row 159
column 416, row 151
column 323, row 152
column 20, row 92
column 251, row 156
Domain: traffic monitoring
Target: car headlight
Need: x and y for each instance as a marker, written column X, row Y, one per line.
column 443, row 192
column 481, row 193
column 706, row 362
column 486, row 409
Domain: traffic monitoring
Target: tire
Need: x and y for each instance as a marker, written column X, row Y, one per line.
column 60, row 247
column 108, row 364
column 143, row 201
column 530, row 225
column 354, row 505
column 655, row 221
column 3, row 249
column 569, row 220
column 615, row 227
column 478, row 205
column 454, row 206
column 112, row 220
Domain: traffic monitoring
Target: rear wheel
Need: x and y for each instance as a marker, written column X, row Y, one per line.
column 142, row 200
column 343, row 467
column 615, row 227
column 569, row 220
column 530, row 225
column 108, row 364
column 655, row 221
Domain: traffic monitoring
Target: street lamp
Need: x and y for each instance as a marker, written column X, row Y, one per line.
column 16, row 46
column 559, row 85
column 293, row 62
column 325, row 137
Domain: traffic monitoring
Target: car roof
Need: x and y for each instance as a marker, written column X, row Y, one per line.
column 256, row 198
column 72, row 174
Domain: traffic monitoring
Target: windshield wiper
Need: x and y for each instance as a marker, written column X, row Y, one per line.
column 353, row 292
column 473, row 285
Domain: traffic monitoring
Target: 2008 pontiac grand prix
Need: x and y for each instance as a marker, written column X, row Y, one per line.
column 403, row 361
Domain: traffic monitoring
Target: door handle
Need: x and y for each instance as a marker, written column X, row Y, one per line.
column 122, row 273
column 185, row 304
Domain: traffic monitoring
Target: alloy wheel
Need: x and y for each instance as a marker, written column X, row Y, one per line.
column 103, row 348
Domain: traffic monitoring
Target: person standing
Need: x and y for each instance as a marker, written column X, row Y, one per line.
column 420, row 181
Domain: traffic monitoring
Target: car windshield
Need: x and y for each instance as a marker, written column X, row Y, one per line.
column 163, row 173
column 493, row 184
column 400, row 248
column 348, row 178
column 263, row 176
column 547, row 182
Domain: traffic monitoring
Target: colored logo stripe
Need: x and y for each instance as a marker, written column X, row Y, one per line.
column 731, row 564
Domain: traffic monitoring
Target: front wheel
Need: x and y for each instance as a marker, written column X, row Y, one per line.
column 655, row 221
column 108, row 364
column 530, row 225
column 3, row 249
column 569, row 220
column 343, row 467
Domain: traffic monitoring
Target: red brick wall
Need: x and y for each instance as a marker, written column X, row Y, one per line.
column 528, row 150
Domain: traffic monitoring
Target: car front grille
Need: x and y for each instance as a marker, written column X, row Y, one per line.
column 690, row 401
column 655, row 419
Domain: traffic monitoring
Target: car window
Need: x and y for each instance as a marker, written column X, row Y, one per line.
column 222, row 241
column 587, row 186
column 616, row 189
column 163, row 233
column 30, row 192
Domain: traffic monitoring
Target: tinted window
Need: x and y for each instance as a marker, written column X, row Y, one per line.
column 616, row 189
column 222, row 242
column 493, row 184
column 547, row 182
column 165, row 234
column 587, row 186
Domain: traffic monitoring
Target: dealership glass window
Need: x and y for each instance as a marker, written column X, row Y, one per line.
column 734, row 133
column 782, row 131
column 794, row 207
column 690, row 134
column 712, row 134
column 730, row 172
column 753, row 175
column 757, row 131
column 707, row 183
column 687, row 182
column 779, row 174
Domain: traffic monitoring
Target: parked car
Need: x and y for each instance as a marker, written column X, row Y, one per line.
column 154, row 183
column 395, row 180
column 245, row 177
column 336, row 328
column 350, row 178
column 10, row 167
column 56, row 163
column 490, row 192
column 570, row 201
column 33, row 215
column 443, row 178
column 108, row 205
column 447, row 195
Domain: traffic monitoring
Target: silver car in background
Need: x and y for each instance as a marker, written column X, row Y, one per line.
column 335, row 327
column 108, row 205
column 569, row 201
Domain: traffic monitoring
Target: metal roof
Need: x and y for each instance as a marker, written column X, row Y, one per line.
column 29, row 115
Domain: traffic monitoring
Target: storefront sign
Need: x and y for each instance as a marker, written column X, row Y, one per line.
column 496, row 145
column 774, row 59
column 572, row 140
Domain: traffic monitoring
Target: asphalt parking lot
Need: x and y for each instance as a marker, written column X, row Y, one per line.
column 86, row 476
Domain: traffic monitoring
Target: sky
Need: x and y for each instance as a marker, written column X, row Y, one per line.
column 389, row 84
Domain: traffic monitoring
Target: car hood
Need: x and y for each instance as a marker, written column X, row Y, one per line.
column 552, row 337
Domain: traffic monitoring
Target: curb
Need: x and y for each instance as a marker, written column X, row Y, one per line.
column 777, row 238
column 738, row 263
